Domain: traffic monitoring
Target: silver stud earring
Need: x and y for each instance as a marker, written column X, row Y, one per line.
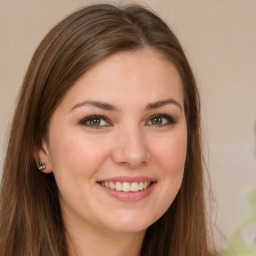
column 41, row 166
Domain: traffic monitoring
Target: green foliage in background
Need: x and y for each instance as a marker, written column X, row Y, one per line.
column 237, row 245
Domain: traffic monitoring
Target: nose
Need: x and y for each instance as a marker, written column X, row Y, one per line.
column 130, row 149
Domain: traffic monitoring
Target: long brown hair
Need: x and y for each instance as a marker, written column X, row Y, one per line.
column 30, row 217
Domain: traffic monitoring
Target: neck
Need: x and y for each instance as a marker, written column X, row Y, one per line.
column 92, row 243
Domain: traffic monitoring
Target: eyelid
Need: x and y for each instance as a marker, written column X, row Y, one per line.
column 170, row 119
column 90, row 117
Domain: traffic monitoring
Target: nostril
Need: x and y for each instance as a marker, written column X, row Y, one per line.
column 131, row 149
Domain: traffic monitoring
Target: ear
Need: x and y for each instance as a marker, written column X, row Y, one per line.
column 41, row 154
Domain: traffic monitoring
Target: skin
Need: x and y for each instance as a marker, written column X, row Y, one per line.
column 129, row 143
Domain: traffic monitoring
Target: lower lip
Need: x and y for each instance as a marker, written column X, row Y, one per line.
column 129, row 196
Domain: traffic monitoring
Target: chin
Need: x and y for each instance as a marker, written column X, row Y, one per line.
column 130, row 223
column 129, row 228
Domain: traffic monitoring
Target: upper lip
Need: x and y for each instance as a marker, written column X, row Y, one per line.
column 129, row 179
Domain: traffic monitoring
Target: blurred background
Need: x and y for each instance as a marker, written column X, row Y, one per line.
column 220, row 42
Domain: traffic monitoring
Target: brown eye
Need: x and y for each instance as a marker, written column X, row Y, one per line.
column 161, row 120
column 94, row 121
column 157, row 120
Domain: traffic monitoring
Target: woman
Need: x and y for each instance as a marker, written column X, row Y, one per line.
column 104, row 154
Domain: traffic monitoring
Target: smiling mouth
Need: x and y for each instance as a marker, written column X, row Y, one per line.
column 126, row 186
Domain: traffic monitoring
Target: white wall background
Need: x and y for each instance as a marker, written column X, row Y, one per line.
column 220, row 41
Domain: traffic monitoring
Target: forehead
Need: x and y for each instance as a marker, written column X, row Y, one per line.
column 133, row 76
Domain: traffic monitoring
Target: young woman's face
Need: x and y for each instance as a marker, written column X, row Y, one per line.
column 117, row 143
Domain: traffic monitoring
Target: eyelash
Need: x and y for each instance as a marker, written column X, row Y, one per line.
column 169, row 120
column 92, row 118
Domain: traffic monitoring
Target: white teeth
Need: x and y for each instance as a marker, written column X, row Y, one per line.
column 126, row 186
column 141, row 187
column 135, row 187
column 119, row 186
column 111, row 185
column 107, row 184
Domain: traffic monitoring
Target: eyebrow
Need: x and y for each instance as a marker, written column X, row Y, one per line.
column 110, row 107
column 162, row 103
column 98, row 104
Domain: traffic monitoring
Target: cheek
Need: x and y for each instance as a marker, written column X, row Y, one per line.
column 171, row 153
column 170, row 156
column 76, row 155
column 76, row 159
